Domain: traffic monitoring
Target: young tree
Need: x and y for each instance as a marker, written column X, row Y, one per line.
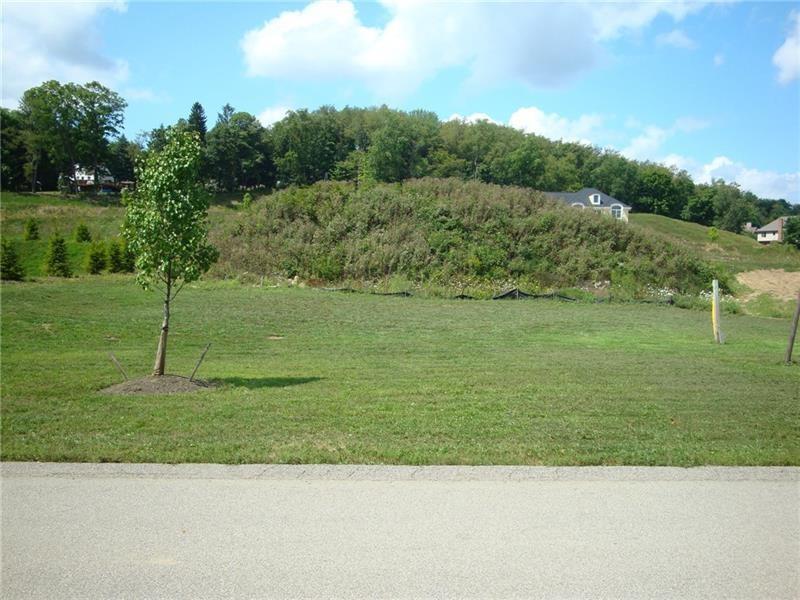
column 115, row 257
column 82, row 233
column 57, row 261
column 96, row 259
column 31, row 229
column 166, row 224
column 10, row 267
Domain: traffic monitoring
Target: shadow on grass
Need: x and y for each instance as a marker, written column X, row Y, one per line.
column 254, row 383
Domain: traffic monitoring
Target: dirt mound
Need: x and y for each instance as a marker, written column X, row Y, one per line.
column 775, row 282
column 166, row 384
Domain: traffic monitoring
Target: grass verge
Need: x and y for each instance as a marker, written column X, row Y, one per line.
column 306, row 376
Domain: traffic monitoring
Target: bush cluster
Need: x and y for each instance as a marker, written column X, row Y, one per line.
column 444, row 230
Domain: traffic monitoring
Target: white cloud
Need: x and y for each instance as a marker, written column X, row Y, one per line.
column 142, row 95
column 765, row 184
column 678, row 161
column 689, row 124
column 554, row 126
column 539, row 44
column 60, row 40
column 271, row 115
column 677, row 39
column 613, row 19
column 787, row 57
column 473, row 118
column 719, row 59
column 647, row 145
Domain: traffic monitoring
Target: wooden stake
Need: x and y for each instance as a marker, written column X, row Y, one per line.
column 793, row 331
column 197, row 366
column 119, row 366
column 715, row 312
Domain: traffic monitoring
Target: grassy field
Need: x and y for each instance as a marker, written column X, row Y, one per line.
column 62, row 215
column 369, row 379
column 737, row 252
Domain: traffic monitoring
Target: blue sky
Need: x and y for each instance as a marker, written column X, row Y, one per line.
column 710, row 87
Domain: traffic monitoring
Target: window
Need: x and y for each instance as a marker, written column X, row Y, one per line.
column 578, row 205
column 616, row 211
column 595, row 199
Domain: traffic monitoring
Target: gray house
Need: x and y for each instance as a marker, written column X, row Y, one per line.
column 590, row 198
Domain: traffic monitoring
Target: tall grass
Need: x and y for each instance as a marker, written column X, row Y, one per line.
column 446, row 232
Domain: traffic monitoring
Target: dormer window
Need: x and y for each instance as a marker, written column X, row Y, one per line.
column 594, row 199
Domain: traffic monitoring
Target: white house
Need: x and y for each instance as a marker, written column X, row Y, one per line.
column 592, row 199
column 84, row 176
column 771, row 232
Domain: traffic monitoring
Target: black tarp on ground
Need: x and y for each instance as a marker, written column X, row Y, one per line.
column 513, row 294
column 518, row 294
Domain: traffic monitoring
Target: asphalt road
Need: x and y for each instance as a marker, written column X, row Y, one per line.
column 209, row 531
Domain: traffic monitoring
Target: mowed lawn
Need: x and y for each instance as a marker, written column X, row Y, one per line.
column 371, row 379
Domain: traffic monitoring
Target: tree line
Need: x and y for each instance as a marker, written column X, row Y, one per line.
column 59, row 125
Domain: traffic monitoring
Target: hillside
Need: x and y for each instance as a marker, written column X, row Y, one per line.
column 446, row 232
column 736, row 252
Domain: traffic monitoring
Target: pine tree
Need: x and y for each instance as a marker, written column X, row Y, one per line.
column 96, row 259
column 10, row 267
column 115, row 257
column 82, row 233
column 197, row 121
column 57, row 262
column 31, row 229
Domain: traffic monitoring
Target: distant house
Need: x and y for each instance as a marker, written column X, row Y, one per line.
column 771, row 232
column 749, row 228
column 85, row 180
column 595, row 200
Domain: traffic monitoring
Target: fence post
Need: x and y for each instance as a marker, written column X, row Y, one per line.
column 718, row 338
column 793, row 331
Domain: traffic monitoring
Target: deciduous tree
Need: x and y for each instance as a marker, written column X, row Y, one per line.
column 166, row 224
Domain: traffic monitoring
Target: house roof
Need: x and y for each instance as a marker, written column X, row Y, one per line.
column 774, row 226
column 582, row 197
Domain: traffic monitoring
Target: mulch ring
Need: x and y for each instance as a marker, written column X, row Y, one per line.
column 165, row 384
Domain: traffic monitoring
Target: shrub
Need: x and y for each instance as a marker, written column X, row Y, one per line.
column 247, row 200
column 128, row 259
column 57, row 261
column 82, row 233
column 10, row 267
column 120, row 258
column 791, row 232
column 445, row 231
column 96, row 259
column 713, row 234
column 31, row 229
column 115, row 264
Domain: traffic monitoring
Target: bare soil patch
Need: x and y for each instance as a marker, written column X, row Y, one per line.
column 166, row 384
column 775, row 282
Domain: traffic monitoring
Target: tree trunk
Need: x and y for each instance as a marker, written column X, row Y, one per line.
column 34, row 172
column 161, row 353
